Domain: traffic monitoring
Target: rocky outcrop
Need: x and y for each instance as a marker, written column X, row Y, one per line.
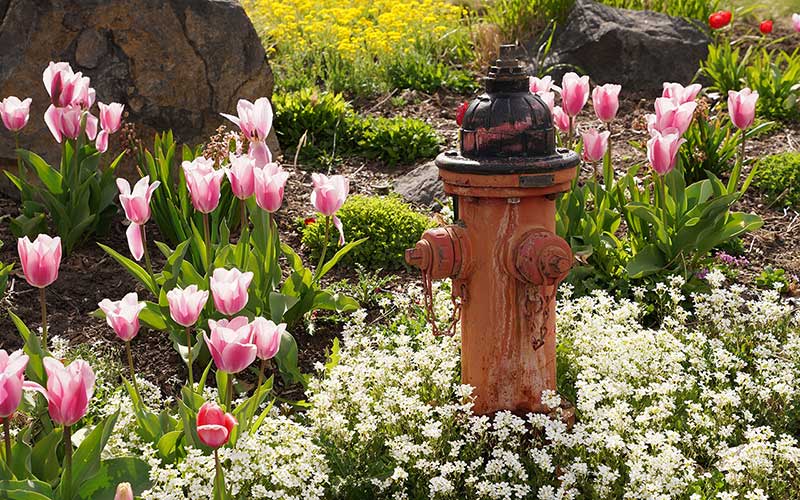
column 638, row 49
column 175, row 64
column 421, row 186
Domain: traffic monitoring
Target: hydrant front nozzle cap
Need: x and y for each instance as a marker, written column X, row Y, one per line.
column 420, row 255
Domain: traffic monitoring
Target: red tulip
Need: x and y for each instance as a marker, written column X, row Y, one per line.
column 765, row 27
column 214, row 426
column 719, row 19
column 462, row 110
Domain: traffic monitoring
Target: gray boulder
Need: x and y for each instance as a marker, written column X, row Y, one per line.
column 637, row 49
column 421, row 186
column 175, row 64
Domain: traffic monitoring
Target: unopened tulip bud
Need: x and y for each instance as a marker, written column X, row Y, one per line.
column 124, row 492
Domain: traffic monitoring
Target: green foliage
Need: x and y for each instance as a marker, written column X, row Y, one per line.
column 171, row 203
column 419, row 72
column 76, row 199
column 779, row 177
column 773, row 279
column 519, row 19
column 390, row 224
column 323, row 124
column 694, row 9
column 370, row 286
column 775, row 75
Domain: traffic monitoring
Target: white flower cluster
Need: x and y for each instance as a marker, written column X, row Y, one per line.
column 704, row 406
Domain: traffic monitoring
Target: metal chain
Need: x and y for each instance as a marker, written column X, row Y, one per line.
column 427, row 287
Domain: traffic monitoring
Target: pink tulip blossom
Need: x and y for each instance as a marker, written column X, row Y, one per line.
column 67, row 88
column 270, row 182
column 229, row 288
column 40, row 259
column 15, row 113
column 101, row 142
column 267, row 337
column 136, row 203
column 680, row 94
column 595, row 145
column 240, row 175
column 540, row 84
column 328, row 197
column 255, row 121
column 186, row 304
column 574, row 93
column 548, row 98
column 669, row 115
column 560, row 119
column 64, row 122
column 91, row 126
column 214, row 426
column 111, row 116
column 69, row 390
column 135, row 241
column 742, row 107
column 231, row 344
column 662, row 150
column 605, row 100
column 124, row 492
column 12, row 381
column 123, row 315
column 204, row 182
column 796, row 22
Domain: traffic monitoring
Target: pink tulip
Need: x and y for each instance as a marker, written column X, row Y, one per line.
column 124, row 492
column 101, row 143
column 560, row 119
column 123, row 315
column 662, row 150
column 12, row 381
column 69, row 390
column 329, row 192
column 574, row 93
column 255, row 122
column 214, row 426
column 680, row 94
column 269, row 184
column 267, row 337
column 136, row 203
column 548, row 98
column 40, row 259
column 669, row 115
column 229, row 288
column 595, row 145
column 83, row 95
column 63, row 122
column 186, row 304
column 240, row 175
column 15, row 113
column 605, row 100
column 111, row 116
column 91, row 126
column 796, row 22
column 204, row 182
column 67, row 88
column 742, row 107
column 135, row 241
column 231, row 344
column 540, row 84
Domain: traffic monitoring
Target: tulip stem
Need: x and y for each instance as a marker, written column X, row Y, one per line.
column 229, row 393
column 261, row 369
column 571, row 131
column 324, row 247
column 130, row 366
column 244, row 214
column 217, row 469
column 207, row 231
column 189, row 357
column 7, row 439
column 43, row 300
column 67, row 463
column 147, row 256
column 19, row 157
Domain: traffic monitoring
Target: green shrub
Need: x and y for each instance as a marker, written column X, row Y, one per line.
column 778, row 176
column 331, row 127
column 418, row 72
column 390, row 224
column 775, row 75
column 397, row 140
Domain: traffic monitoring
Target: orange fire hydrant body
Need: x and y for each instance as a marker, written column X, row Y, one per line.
column 502, row 252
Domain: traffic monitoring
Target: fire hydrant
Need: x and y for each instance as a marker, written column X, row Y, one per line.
column 502, row 254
